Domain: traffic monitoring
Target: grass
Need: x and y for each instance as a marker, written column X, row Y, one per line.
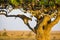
column 15, row 38
column 21, row 35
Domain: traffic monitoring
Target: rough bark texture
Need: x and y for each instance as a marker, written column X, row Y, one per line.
column 42, row 35
column 43, row 31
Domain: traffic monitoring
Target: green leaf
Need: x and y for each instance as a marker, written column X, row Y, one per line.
column 14, row 2
column 57, row 1
column 43, row 2
column 51, row 3
column 21, row 1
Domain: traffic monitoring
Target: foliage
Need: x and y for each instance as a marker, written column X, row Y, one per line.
column 14, row 2
column 32, row 3
column 57, row 2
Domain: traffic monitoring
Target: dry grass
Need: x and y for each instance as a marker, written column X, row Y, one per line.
column 25, row 35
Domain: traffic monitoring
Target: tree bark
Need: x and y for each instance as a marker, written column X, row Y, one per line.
column 43, row 30
column 42, row 34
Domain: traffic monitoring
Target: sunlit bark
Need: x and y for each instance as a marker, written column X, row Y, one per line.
column 43, row 31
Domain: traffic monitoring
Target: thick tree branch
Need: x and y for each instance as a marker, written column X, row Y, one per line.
column 2, row 14
column 42, row 25
column 45, row 21
column 23, row 17
column 30, row 27
column 49, row 26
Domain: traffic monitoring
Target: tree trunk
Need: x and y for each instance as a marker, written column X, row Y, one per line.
column 43, row 35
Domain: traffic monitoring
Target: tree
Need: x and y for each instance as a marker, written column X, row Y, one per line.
column 42, row 12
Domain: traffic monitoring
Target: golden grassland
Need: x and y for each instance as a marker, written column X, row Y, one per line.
column 25, row 35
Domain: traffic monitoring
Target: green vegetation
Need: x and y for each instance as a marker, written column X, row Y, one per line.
column 14, row 2
column 32, row 3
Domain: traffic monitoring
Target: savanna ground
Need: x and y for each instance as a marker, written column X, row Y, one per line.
column 25, row 35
